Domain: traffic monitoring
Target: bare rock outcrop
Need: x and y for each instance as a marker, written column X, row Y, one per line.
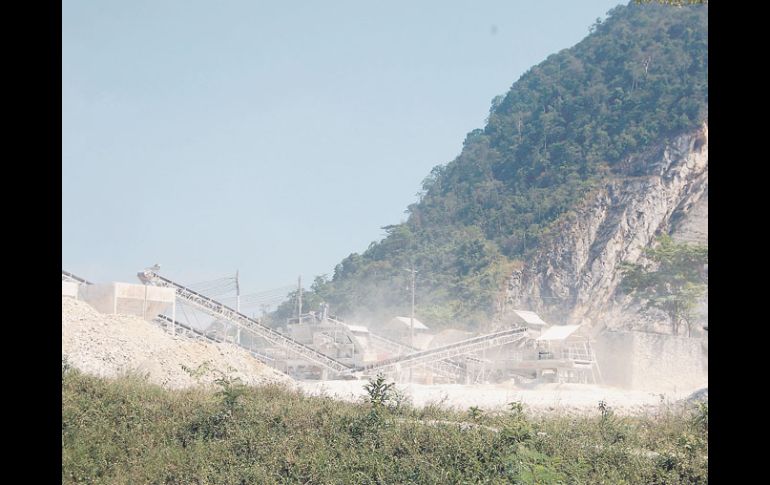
column 574, row 275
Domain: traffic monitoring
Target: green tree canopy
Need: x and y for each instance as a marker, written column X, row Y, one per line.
column 671, row 279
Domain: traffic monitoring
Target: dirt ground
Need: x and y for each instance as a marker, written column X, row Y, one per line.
column 544, row 398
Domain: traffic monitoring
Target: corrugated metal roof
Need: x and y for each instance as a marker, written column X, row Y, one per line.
column 530, row 317
column 417, row 324
column 558, row 332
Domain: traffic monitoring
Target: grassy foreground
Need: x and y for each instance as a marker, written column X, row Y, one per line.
column 126, row 431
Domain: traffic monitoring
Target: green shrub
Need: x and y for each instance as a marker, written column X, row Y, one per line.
column 126, row 431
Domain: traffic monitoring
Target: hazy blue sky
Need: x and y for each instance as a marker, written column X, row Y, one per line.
column 273, row 137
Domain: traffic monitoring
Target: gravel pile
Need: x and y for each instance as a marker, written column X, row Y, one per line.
column 111, row 345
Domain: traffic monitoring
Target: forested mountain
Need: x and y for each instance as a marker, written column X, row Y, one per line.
column 583, row 117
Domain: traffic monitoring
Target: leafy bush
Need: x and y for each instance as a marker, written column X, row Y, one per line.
column 379, row 391
column 126, row 431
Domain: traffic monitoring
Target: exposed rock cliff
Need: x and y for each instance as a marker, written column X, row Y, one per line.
column 574, row 275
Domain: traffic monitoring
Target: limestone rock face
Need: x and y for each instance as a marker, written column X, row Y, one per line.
column 574, row 275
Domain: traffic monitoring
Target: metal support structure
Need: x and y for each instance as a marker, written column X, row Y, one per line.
column 474, row 344
column 446, row 367
column 411, row 314
column 299, row 299
column 237, row 293
column 191, row 332
column 237, row 306
column 67, row 276
column 219, row 310
column 437, row 359
column 144, row 304
column 173, row 318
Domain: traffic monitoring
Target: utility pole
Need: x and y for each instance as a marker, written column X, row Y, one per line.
column 411, row 316
column 237, row 306
column 299, row 299
column 144, row 305
column 237, row 293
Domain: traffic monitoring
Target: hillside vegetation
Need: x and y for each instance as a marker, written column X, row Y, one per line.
column 126, row 431
column 568, row 124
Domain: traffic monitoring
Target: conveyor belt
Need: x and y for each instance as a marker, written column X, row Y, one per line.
column 474, row 344
column 219, row 310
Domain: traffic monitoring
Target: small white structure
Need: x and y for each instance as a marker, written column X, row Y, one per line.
column 531, row 319
column 406, row 323
column 566, row 351
column 557, row 333
column 399, row 329
column 69, row 288
column 564, row 342
column 129, row 299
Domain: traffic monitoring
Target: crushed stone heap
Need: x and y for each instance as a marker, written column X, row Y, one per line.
column 111, row 345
